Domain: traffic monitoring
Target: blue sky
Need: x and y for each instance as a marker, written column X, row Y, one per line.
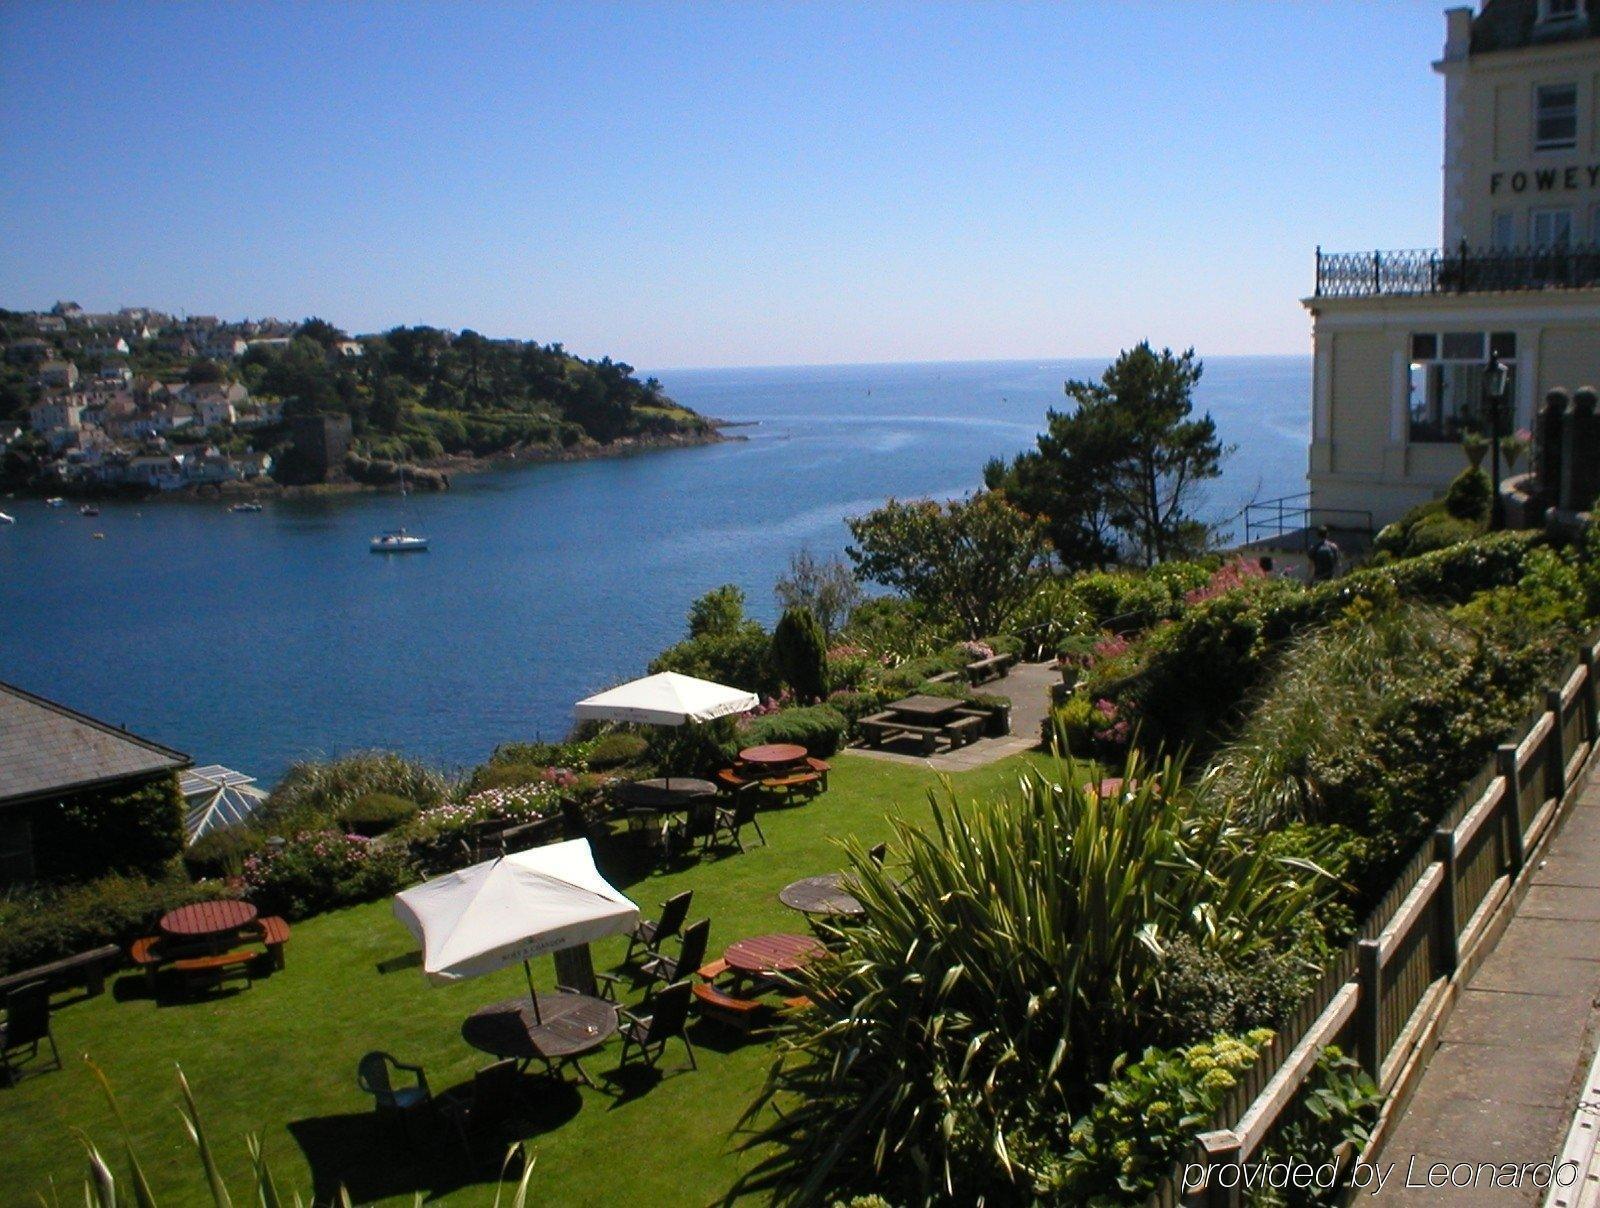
column 699, row 184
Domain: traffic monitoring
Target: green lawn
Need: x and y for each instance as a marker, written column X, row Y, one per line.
column 279, row 1058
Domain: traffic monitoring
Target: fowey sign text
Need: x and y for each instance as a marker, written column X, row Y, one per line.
column 1545, row 180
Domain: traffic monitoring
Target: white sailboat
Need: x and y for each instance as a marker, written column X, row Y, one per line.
column 5, row 519
column 400, row 540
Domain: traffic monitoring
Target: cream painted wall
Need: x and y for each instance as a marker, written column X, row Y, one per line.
column 1569, row 357
column 1361, row 393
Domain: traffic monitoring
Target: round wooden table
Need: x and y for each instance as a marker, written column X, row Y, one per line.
column 664, row 793
column 824, row 895
column 768, row 954
column 773, row 755
column 207, row 920
column 567, row 1026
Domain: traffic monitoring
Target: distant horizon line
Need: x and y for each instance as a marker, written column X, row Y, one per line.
column 1038, row 360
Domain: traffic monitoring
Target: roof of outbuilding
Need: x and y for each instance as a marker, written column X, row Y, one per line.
column 1513, row 24
column 46, row 749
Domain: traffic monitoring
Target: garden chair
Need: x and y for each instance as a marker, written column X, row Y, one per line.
column 646, row 1036
column 691, row 955
column 877, row 853
column 648, row 935
column 485, row 1104
column 27, row 1024
column 575, row 974
column 372, row 1076
column 699, row 822
column 732, row 819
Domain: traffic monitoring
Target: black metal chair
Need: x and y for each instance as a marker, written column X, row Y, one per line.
column 486, row 1103
column 398, row 1102
column 27, row 1024
column 698, row 823
column 648, row 935
column 645, row 1036
column 732, row 819
column 877, row 853
column 691, row 955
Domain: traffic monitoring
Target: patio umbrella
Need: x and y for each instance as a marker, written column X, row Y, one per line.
column 667, row 699
column 491, row 915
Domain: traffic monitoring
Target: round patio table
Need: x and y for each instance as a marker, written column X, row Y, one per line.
column 207, row 920
column 825, row 895
column 773, row 754
column 767, row 954
column 566, row 1027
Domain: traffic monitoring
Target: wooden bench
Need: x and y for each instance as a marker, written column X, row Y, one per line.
column 964, row 730
column 944, row 677
column 199, row 970
column 86, row 969
column 274, row 934
column 740, row 1013
column 821, row 767
column 803, row 783
column 992, row 667
column 884, row 727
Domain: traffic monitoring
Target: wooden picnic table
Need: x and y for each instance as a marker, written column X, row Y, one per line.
column 207, row 920
column 764, row 955
column 925, row 708
column 773, row 754
column 824, row 895
column 566, row 1027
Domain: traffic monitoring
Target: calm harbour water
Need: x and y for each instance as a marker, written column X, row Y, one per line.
column 253, row 640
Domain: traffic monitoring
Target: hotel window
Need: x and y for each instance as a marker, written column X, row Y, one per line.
column 1559, row 10
column 1503, row 230
column 1550, row 229
column 1446, row 399
column 1555, row 117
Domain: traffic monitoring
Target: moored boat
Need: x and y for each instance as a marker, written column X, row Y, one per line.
column 5, row 519
column 88, row 509
column 399, row 542
column 55, row 501
column 250, row 506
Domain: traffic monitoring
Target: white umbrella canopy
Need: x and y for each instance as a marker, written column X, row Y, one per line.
column 483, row 918
column 667, row 699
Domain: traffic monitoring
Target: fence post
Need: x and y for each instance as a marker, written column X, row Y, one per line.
column 1590, row 713
column 1505, row 758
column 1444, row 851
column 1377, row 272
column 1369, row 1014
column 1222, row 1150
column 1555, row 772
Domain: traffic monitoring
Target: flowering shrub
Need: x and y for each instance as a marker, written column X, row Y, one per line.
column 1110, row 727
column 977, row 650
column 1230, row 576
column 322, row 869
column 1147, row 1113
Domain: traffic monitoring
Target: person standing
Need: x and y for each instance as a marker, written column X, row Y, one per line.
column 1325, row 557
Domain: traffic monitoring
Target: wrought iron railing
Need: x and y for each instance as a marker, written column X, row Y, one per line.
column 1432, row 271
column 1294, row 515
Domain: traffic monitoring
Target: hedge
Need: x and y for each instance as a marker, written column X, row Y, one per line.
column 44, row 925
column 1202, row 668
column 91, row 834
column 820, row 729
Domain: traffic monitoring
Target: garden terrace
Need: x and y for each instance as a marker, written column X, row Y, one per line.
column 281, row 1056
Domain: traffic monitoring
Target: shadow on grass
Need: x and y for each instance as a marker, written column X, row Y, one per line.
column 166, row 992
column 374, row 1157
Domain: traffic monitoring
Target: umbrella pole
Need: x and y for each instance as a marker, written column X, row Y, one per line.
column 532, row 993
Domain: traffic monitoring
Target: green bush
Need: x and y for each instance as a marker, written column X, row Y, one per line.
column 1148, row 1114
column 505, row 774
column 856, row 705
column 1469, row 495
column 321, row 870
column 373, row 813
column 314, row 794
column 801, row 654
column 1338, row 1106
column 1202, row 992
column 617, row 749
column 221, row 852
column 44, row 925
column 740, row 657
column 94, row 833
column 820, row 729
column 1127, row 601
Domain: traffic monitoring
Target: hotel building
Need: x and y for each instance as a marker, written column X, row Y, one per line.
column 1402, row 338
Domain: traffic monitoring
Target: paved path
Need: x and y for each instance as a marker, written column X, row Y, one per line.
column 1028, row 687
column 1505, row 1080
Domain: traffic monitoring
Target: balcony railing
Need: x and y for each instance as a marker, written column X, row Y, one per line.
column 1430, row 271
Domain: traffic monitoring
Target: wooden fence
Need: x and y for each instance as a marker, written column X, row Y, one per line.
column 1385, row 997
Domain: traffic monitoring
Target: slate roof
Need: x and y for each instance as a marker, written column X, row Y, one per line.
column 47, row 749
column 1512, row 24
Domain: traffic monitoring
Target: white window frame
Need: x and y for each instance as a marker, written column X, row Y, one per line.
column 1543, row 214
column 1548, row 14
column 1549, row 144
column 1429, row 375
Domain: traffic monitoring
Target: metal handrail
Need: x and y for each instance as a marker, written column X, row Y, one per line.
column 1287, row 514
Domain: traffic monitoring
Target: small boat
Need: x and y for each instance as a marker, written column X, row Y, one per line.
column 245, row 507
column 99, row 536
column 4, row 519
column 55, row 501
column 88, row 509
column 399, row 542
